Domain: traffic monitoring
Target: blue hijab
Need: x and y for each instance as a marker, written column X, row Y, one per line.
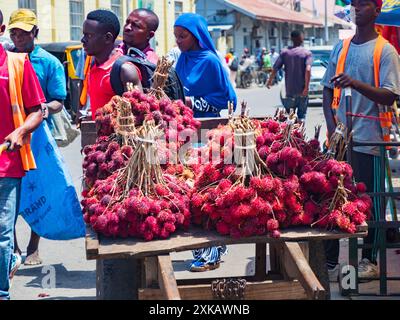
column 202, row 72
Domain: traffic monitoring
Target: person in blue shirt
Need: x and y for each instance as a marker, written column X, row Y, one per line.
column 205, row 80
column 208, row 91
column 50, row 72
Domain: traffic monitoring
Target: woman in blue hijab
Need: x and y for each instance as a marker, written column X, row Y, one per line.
column 204, row 78
column 209, row 91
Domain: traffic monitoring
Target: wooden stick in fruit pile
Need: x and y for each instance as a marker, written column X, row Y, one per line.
column 338, row 143
column 125, row 123
column 245, row 152
column 160, row 78
column 144, row 169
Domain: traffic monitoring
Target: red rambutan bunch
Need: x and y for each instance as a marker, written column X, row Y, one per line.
column 315, row 182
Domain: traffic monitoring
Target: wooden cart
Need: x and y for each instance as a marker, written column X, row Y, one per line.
column 133, row 269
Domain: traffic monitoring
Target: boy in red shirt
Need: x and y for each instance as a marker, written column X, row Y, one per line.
column 11, row 165
column 100, row 30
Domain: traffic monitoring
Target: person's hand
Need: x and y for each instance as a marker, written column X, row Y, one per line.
column 305, row 92
column 45, row 111
column 16, row 139
column 342, row 80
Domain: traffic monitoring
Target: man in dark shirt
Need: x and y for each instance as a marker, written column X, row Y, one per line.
column 297, row 62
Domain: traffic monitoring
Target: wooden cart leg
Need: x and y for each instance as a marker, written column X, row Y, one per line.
column 166, row 278
column 261, row 262
column 296, row 266
column 118, row 279
column 275, row 253
column 318, row 264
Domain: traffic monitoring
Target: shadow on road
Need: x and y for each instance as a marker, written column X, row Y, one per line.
column 64, row 278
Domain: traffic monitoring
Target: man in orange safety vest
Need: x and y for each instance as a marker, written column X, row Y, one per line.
column 369, row 66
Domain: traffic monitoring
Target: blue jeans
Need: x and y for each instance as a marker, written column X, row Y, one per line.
column 10, row 190
column 298, row 103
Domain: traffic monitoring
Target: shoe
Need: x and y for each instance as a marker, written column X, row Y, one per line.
column 202, row 266
column 334, row 273
column 366, row 269
column 16, row 261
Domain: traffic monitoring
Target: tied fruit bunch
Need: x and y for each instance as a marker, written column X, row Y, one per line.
column 174, row 116
column 154, row 216
column 300, row 186
column 220, row 201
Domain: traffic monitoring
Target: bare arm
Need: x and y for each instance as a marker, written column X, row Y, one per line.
column 326, row 104
column 32, row 121
column 378, row 95
column 52, row 107
column 129, row 74
column 307, row 81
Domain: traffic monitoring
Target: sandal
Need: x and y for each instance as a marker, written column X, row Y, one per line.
column 202, row 266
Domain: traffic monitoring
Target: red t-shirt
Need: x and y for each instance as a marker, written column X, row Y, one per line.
column 10, row 162
column 99, row 88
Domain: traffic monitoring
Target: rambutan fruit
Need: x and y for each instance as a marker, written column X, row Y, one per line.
column 224, row 185
column 101, row 224
column 161, row 190
column 228, row 171
column 276, row 234
column 260, row 141
column 272, row 225
column 223, row 228
column 361, row 187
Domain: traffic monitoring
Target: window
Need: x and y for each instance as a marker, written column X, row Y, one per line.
column 147, row 4
column 76, row 9
column 116, row 7
column 178, row 9
column 27, row 4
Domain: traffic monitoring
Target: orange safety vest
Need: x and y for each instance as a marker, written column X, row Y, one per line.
column 16, row 64
column 385, row 113
column 84, row 93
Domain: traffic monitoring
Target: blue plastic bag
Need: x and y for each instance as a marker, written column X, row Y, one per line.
column 49, row 202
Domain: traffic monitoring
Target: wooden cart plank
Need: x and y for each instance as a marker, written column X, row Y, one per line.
column 197, row 238
column 296, row 266
column 166, row 278
column 92, row 243
column 267, row 290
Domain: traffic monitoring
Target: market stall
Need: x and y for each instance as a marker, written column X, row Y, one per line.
column 152, row 187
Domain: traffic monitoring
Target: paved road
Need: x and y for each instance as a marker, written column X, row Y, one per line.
column 73, row 277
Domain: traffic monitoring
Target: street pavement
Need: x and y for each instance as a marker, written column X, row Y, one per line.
column 66, row 274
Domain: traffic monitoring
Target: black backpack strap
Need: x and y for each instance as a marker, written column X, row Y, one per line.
column 115, row 75
column 136, row 52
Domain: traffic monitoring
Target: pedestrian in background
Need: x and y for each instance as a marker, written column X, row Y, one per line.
column 233, row 65
column 50, row 72
column 297, row 62
column 274, row 57
column 21, row 113
column 244, row 66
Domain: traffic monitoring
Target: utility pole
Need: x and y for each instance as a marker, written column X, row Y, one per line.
column 326, row 23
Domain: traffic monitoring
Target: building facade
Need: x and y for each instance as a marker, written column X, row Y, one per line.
column 62, row 20
column 255, row 24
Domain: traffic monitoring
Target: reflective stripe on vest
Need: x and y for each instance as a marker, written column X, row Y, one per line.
column 16, row 64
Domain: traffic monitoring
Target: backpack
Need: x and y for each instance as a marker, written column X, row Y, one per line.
column 235, row 64
column 173, row 89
